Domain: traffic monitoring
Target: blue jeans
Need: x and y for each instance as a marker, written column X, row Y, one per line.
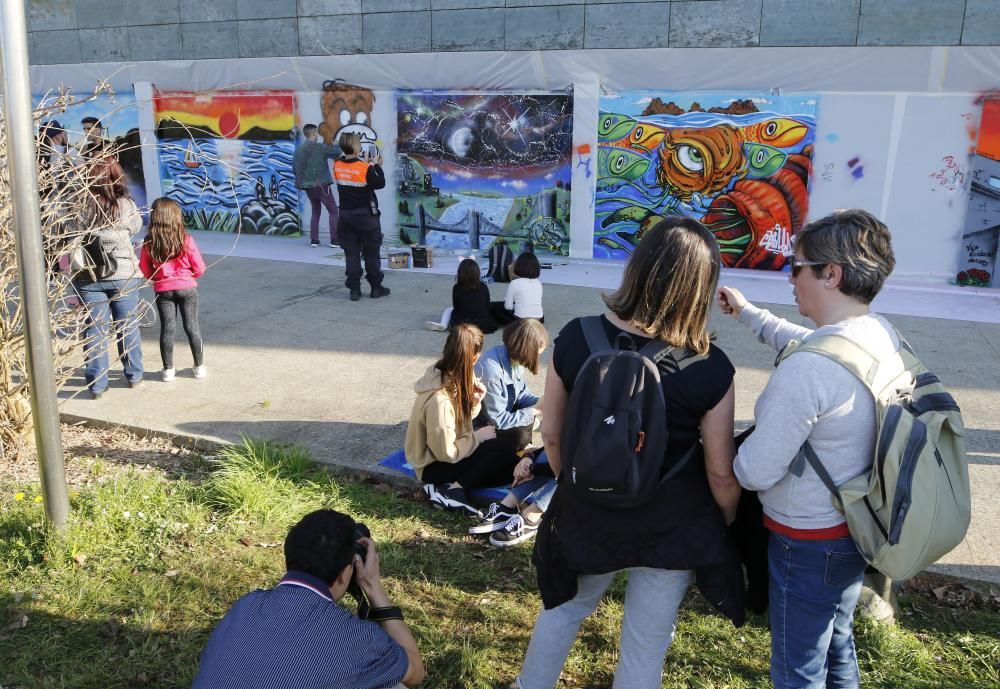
column 814, row 588
column 111, row 302
column 538, row 490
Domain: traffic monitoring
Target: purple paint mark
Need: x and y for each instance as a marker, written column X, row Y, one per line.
column 858, row 172
column 852, row 162
column 585, row 164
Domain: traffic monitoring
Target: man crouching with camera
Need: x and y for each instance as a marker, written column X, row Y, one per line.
column 296, row 636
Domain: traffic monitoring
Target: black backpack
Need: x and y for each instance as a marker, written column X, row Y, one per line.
column 500, row 257
column 614, row 437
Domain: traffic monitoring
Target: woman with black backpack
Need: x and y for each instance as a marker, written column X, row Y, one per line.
column 109, row 283
column 672, row 527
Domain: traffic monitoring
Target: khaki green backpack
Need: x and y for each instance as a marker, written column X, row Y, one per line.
column 913, row 506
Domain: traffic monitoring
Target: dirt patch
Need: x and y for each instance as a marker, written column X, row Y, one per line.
column 115, row 445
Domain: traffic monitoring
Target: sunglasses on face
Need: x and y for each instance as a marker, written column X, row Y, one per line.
column 797, row 265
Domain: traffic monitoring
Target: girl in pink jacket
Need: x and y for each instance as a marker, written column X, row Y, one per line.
column 170, row 258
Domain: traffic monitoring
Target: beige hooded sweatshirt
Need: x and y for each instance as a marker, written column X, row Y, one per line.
column 433, row 435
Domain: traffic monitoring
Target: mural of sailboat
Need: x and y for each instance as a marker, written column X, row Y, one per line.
column 189, row 156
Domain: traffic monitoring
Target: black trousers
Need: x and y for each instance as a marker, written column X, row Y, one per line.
column 360, row 235
column 504, row 316
column 492, row 464
column 167, row 305
column 517, row 437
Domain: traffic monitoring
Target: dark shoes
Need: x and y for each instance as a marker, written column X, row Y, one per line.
column 355, row 293
column 496, row 518
column 516, row 530
column 380, row 291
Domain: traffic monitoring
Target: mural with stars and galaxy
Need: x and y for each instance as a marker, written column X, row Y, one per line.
column 484, row 165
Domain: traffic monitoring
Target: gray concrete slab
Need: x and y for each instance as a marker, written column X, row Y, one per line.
column 292, row 359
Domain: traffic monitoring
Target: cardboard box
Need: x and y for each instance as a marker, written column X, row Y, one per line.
column 399, row 259
column 423, row 256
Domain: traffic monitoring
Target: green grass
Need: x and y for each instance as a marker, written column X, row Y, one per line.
column 127, row 596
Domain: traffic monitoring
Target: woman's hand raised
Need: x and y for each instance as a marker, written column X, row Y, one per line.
column 731, row 301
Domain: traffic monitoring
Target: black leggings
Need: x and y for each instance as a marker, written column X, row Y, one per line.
column 492, row 464
column 168, row 304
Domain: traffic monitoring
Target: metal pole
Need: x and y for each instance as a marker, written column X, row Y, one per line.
column 23, row 172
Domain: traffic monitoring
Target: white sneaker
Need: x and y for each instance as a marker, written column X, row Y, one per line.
column 435, row 326
column 200, row 371
column 168, row 375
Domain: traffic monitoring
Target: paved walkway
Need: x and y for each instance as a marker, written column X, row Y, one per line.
column 290, row 358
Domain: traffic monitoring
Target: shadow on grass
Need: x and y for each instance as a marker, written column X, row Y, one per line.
column 54, row 651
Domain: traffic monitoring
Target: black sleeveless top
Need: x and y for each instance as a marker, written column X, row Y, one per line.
column 682, row 527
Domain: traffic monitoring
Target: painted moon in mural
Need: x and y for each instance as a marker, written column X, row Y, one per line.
column 461, row 141
column 229, row 124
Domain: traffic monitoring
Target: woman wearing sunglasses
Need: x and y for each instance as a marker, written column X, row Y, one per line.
column 840, row 264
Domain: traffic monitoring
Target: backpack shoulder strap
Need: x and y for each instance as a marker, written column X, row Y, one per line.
column 595, row 335
column 655, row 350
column 849, row 354
column 809, row 455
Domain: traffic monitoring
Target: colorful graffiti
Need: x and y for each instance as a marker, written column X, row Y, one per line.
column 475, row 168
column 116, row 128
column 978, row 254
column 227, row 159
column 741, row 165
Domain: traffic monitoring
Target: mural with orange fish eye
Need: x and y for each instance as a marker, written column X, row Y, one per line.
column 740, row 163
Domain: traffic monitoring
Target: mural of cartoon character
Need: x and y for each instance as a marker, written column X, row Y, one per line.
column 348, row 108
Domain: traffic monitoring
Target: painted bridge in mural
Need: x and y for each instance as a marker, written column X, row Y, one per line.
column 543, row 232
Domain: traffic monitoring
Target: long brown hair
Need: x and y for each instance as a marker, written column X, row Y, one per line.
column 106, row 183
column 165, row 240
column 669, row 282
column 461, row 349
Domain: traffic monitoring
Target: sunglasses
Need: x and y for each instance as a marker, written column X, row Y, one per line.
column 797, row 265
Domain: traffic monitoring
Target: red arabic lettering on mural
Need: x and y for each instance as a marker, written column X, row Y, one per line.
column 951, row 176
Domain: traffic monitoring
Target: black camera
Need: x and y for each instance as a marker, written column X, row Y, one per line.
column 361, row 531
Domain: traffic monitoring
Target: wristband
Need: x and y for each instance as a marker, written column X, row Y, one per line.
column 390, row 612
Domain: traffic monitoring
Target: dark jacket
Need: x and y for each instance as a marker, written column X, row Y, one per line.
column 681, row 528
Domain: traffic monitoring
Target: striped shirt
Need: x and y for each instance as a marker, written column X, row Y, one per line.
column 295, row 636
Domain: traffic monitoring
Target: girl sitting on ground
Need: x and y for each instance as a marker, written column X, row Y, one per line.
column 170, row 258
column 524, row 293
column 509, row 404
column 441, row 445
column 470, row 301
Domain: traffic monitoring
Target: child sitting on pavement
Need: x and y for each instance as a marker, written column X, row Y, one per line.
column 441, row 445
column 470, row 301
column 509, row 404
column 524, row 293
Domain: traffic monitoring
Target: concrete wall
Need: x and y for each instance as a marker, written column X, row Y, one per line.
column 72, row 31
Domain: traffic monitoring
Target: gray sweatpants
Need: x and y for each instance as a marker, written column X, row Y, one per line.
column 651, row 601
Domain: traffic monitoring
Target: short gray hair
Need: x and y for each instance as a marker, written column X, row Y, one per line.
column 856, row 241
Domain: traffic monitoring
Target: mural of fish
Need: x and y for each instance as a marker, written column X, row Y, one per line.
column 616, row 166
column 780, row 132
column 763, row 160
column 643, row 137
column 611, row 127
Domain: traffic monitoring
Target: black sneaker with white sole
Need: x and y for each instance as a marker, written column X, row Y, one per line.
column 445, row 498
column 495, row 518
column 516, row 530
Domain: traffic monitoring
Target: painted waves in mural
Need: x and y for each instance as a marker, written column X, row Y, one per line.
column 476, row 168
column 227, row 159
column 740, row 163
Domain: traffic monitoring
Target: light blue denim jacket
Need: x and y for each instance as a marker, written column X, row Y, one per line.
column 508, row 401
